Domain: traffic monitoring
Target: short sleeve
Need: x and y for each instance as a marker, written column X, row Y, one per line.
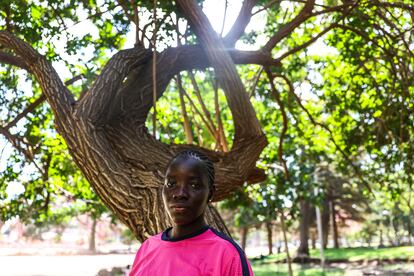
column 235, row 267
column 138, row 258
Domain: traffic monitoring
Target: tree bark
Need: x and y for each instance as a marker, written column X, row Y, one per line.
column 92, row 237
column 335, row 236
column 325, row 223
column 269, row 229
column 304, row 225
column 105, row 130
column 313, row 239
column 288, row 259
column 244, row 232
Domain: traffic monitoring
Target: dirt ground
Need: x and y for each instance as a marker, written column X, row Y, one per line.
column 81, row 265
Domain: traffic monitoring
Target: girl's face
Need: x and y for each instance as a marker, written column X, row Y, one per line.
column 186, row 191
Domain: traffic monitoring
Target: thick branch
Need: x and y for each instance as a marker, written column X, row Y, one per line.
column 56, row 92
column 225, row 71
column 193, row 57
column 249, row 139
column 13, row 60
column 95, row 104
column 134, row 100
column 286, row 29
column 241, row 23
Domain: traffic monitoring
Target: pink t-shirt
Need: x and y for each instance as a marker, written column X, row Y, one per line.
column 204, row 253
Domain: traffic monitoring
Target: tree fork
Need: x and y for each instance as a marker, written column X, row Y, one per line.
column 107, row 139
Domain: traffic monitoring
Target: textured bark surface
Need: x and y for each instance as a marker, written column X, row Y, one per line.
column 335, row 235
column 269, row 230
column 304, row 225
column 92, row 236
column 105, row 129
column 325, row 222
column 243, row 233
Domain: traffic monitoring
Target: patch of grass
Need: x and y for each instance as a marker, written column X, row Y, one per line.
column 267, row 265
column 260, row 269
column 363, row 253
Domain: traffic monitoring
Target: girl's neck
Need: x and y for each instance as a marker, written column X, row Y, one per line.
column 181, row 230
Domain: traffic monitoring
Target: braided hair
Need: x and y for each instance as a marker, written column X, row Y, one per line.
column 206, row 163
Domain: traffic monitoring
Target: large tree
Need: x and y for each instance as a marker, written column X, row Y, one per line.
column 104, row 125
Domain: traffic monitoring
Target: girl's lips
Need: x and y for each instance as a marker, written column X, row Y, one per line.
column 180, row 209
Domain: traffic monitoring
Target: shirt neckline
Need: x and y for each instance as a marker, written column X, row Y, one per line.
column 165, row 236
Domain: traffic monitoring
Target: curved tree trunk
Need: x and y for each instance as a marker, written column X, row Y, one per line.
column 105, row 129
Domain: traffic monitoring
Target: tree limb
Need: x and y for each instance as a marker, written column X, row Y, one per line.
column 312, row 40
column 186, row 121
column 265, row 7
column 26, row 111
column 200, row 99
column 31, row 107
column 13, row 60
column 96, row 102
column 58, row 96
column 307, row 43
column 225, row 70
column 134, row 99
column 286, row 29
column 210, row 128
column 398, row 5
column 226, row 5
column 316, row 123
column 220, row 129
column 18, row 143
column 249, row 139
column 241, row 23
column 188, row 57
column 256, row 82
column 285, row 121
column 124, row 6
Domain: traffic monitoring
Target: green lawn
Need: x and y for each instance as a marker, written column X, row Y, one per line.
column 301, row 270
column 357, row 254
column 267, row 265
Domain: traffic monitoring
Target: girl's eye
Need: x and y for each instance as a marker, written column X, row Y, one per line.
column 170, row 183
column 194, row 184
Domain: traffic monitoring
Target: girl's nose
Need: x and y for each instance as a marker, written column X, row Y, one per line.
column 181, row 192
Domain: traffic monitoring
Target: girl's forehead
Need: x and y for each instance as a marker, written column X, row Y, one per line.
column 190, row 166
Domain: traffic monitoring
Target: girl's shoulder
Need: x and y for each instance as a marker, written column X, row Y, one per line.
column 225, row 241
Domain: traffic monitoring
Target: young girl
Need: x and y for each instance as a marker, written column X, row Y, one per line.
column 190, row 247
